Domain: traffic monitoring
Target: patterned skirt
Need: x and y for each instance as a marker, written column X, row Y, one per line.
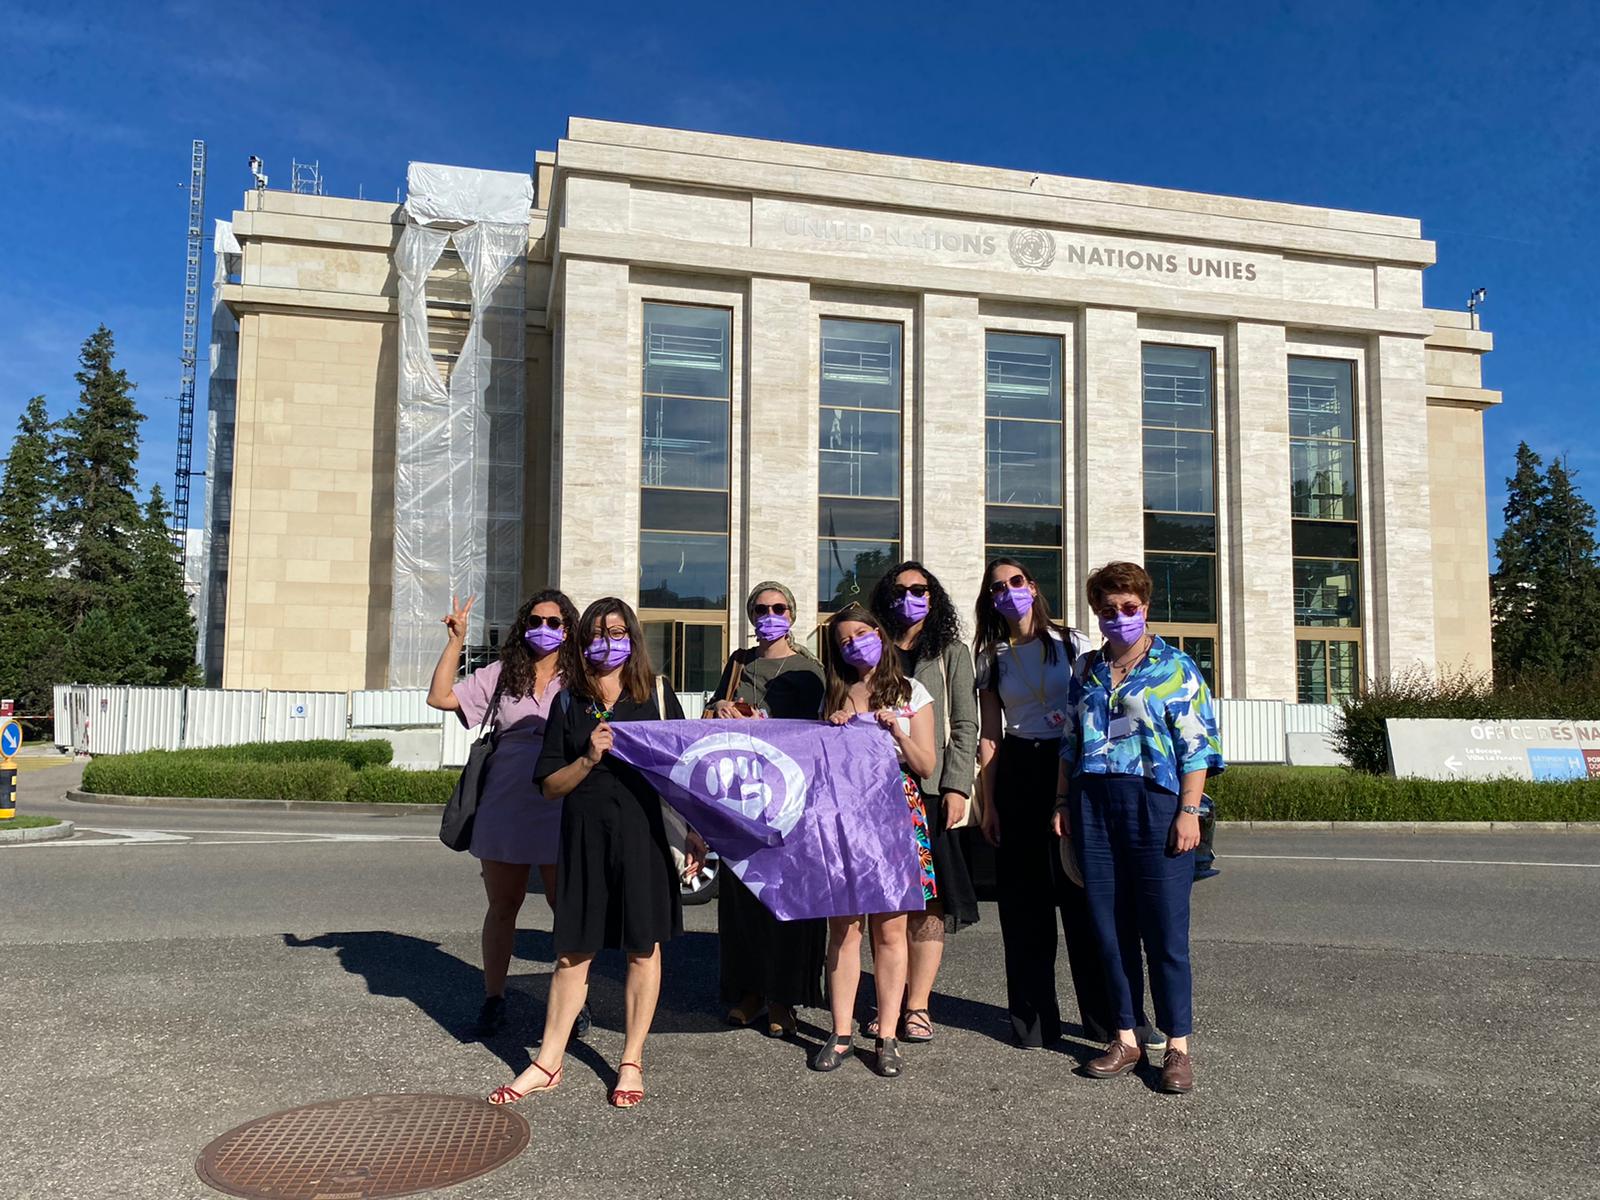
column 919, row 835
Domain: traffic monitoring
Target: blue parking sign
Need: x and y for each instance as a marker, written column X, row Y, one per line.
column 10, row 739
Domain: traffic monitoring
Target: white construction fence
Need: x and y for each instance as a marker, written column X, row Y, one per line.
column 91, row 719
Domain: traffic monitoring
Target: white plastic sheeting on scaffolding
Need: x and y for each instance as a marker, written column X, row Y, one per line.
column 221, row 403
column 459, row 440
column 303, row 716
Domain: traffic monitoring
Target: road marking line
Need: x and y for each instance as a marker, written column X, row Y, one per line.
column 1443, row 862
column 168, row 837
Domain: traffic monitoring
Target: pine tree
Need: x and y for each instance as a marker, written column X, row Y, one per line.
column 1514, row 587
column 157, row 601
column 1567, row 579
column 99, row 448
column 31, row 632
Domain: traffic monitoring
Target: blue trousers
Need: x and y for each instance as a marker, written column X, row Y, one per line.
column 1138, row 895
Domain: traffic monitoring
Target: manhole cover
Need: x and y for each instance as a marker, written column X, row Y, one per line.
column 363, row 1148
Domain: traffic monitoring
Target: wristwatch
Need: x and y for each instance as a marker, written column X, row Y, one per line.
column 1192, row 809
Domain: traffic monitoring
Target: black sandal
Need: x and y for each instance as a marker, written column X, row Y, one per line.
column 906, row 1035
column 888, row 1063
column 831, row 1055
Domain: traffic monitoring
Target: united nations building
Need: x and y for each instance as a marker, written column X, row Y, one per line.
column 667, row 365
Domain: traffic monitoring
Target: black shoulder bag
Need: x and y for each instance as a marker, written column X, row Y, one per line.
column 455, row 827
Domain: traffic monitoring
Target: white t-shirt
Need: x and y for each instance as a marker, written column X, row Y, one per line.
column 1033, row 692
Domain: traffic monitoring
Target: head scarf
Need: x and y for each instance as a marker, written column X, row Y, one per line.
column 772, row 585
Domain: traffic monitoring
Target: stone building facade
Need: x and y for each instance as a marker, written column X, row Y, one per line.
column 748, row 360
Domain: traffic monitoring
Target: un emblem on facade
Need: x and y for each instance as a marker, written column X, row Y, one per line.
column 1032, row 249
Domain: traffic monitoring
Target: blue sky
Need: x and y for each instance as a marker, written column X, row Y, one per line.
column 1479, row 118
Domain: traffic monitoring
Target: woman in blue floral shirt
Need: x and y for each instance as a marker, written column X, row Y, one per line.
column 1139, row 743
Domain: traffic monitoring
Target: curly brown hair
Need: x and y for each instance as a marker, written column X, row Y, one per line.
column 1118, row 577
column 517, row 659
column 887, row 687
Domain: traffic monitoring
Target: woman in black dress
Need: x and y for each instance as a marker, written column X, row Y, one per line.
column 766, row 961
column 616, row 882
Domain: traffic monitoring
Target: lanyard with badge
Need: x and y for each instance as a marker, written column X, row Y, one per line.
column 1119, row 722
column 1055, row 717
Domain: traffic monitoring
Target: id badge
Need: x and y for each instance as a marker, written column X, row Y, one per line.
column 1055, row 718
column 1121, row 726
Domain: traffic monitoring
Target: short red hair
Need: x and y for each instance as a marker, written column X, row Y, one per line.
column 1119, row 577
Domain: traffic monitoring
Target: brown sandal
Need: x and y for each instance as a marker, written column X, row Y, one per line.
column 627, row 1097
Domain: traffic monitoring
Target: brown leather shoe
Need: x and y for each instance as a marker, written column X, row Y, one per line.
column 1177, row 1073
column 1118, row 1059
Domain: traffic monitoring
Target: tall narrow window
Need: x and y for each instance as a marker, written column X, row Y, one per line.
column 1022, row 397
column 683, row 511
column 858, row 509
column 1180, row 499
column 1327, row 543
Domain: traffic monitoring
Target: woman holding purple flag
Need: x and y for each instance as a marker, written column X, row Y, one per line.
column 767, row 962
column 516, row 827
column 916, row 610
column 865, row 683
column 1024, row 669
column 616, row 882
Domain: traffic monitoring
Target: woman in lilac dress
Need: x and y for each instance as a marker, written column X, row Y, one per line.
column 516, row 827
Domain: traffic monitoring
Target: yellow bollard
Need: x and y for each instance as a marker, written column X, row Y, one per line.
column 10, row 743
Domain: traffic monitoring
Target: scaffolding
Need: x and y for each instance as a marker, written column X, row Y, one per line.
column 191, row 341
column 221, row 404
column 459, row 420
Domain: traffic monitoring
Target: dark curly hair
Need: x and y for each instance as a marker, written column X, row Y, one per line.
column 516, row 656
column 941, row 628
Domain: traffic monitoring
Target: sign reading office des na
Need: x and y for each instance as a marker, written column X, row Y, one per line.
column 811, row 817
column 1538, row 750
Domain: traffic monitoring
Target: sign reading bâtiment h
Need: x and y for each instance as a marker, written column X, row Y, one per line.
column 1540, row 750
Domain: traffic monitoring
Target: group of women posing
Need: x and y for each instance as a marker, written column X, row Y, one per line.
column 1093, row 763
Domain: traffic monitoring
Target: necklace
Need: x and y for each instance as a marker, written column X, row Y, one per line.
column 1037, row 690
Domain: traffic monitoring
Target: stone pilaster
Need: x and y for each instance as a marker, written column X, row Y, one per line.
column 1108, row 510
column 947, row 443
column 1259, row 640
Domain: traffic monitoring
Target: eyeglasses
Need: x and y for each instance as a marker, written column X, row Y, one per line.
column 919, row 590
column 1130, row 609
column 612, row 635
column 1000, row 585
column 550, row 622
column 777, row 610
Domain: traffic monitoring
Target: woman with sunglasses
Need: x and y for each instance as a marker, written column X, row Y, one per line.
column 616, row 883
column 916, row 610
column 865, row 683
column 767, row 962
column 1140, row 741
column 516, row 827
column 1024, row 672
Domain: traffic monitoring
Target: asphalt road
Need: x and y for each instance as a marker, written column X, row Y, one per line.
column 1378, row 1015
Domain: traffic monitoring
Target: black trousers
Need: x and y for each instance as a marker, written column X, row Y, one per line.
column 1033, row 892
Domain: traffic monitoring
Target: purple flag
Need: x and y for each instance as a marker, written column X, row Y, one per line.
column 812, row 817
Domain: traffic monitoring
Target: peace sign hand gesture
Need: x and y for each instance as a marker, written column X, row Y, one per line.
column 456, row 622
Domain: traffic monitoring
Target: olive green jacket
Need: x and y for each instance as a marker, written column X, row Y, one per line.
column 949, row 679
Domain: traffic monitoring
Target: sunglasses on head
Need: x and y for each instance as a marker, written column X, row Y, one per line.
column 1000, row 585
column 918, row 590
column 778, row 610
column 553, row 622
column 1129, row 609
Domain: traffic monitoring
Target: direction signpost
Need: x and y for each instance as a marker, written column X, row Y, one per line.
column 1539, row 750
column 10, row 743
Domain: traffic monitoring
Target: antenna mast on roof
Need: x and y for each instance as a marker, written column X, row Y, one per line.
column 191, row 338
column 305, row 178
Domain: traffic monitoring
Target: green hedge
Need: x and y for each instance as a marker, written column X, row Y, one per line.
column 195, row 773
column 1358, row 732
column 355, row 755
column 1340, row 794
column 392, row 785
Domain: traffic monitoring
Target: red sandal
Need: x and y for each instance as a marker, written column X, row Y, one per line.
column 631, row 1097
column 510, row 1095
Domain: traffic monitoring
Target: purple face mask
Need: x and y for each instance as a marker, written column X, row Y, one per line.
column 1014, row 603
column 772, row 627
column 543, row 639
column 911, row 608
column 608, row 655
column 1122, row 628
column 863, row 651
